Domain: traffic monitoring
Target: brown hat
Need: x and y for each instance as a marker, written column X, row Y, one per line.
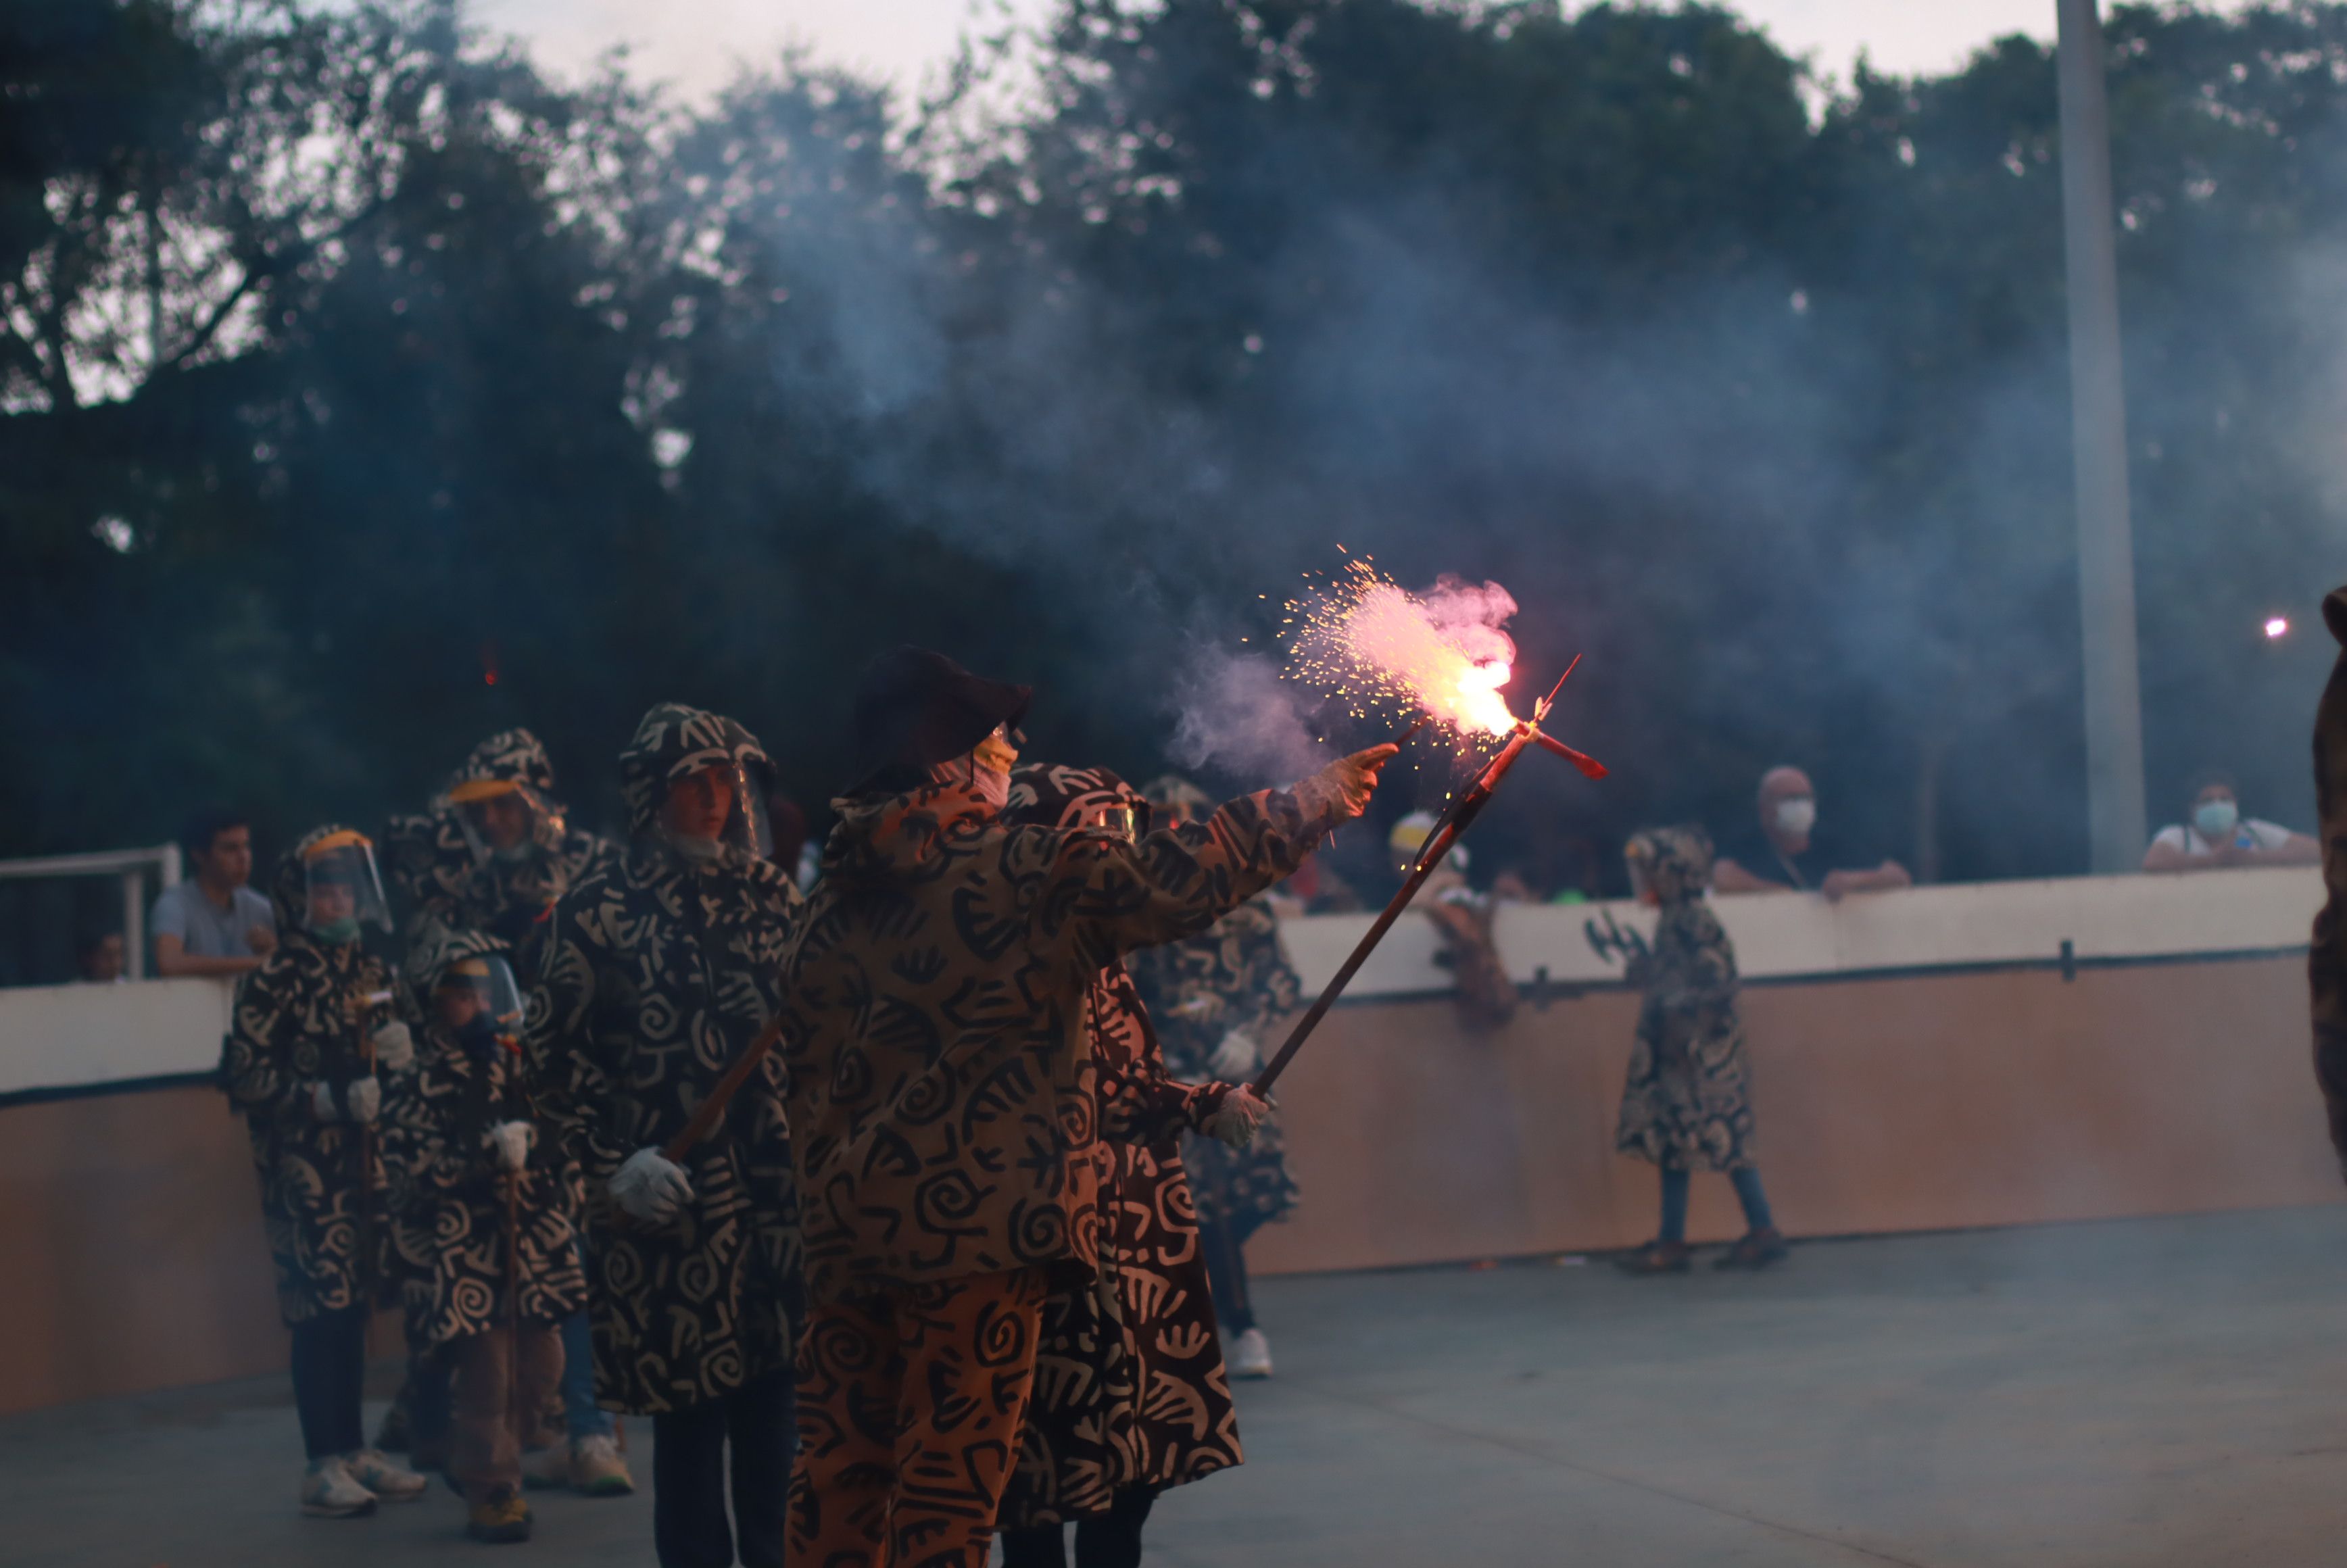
column 915, row 708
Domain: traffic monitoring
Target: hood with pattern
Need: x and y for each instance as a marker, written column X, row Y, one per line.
column 289, row 884
column 446, row 947
column 1051, row 794
column 1676, row 861
column 674, row 742
column 510, row 757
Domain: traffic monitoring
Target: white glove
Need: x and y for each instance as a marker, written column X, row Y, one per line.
column 651, row 1186
column 321, row 1102
column 1236, row 1059
column 1340, row 792
column 394, row 1049
column 511, row 1141
column 1236, row 1122
column 363, row 1100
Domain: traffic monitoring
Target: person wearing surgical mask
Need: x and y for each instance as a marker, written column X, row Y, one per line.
column 2215, row 835
column 1787, row 856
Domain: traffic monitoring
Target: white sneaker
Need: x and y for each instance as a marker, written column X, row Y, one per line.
column 328, row 1491
column 549, row 1466
column 1251, row 1354
column 383, row 1476
column 598, row 1470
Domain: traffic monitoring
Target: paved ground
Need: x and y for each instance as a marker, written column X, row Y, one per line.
column 2166, row 1394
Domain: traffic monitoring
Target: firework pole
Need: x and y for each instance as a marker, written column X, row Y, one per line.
column 1455, row 822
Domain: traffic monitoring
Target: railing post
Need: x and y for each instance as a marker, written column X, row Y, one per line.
column 134, row 925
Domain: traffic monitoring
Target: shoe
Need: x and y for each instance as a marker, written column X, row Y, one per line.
column 329, row 1493
column 597, row 1468
column 1251, row 1354
column 546, row 1467
column 501, row 1516
column 1758, row 1249
column 1655, row 1257
column 390, row 1480
column 392, row 1436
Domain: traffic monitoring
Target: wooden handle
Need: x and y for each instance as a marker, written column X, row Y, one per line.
column 712, row 1109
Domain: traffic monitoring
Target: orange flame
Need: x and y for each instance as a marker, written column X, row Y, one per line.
column 1370, row 638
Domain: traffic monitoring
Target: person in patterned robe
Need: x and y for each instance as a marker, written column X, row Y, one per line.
column 494, row 854
column 660, row 970
column 943, row 1094
column 1130, row 1397
column 313, row 1033
column 1214, row 999
column 1686, row 1105
column 2326, row 958
column 482, row 1221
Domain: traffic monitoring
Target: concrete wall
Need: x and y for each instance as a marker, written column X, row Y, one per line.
column 1891, row 1097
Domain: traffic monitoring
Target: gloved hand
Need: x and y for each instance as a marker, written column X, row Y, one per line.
column 1342, row 791
column 395, row 1048
column 363, row 1100
column 650, row 1186
column 1235, row 1122
column 322, row 1103
column 511, row 1142
column 1236, row 1059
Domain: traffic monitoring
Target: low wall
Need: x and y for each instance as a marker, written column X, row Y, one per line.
column 1921, row 1059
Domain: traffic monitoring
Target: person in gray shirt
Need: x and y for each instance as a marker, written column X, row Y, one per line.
column 215, row 925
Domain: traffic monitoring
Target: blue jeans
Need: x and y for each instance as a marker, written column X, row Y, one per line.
column 1749, row 1192
column 580, row 1414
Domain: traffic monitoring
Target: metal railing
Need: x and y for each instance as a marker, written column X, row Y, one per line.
column 130, row 864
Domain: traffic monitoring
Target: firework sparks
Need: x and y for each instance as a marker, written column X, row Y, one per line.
column 1364, row 637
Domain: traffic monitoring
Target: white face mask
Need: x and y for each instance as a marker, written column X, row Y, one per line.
column 699, row 851
column 1795, row 817
column 2216, row 818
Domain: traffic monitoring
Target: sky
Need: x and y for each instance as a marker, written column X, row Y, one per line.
column 696, row 45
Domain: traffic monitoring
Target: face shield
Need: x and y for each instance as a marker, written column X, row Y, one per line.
column 478, row 999
column 340, row 886
column 500, row 818
column 1116, row 817
column 722, row 805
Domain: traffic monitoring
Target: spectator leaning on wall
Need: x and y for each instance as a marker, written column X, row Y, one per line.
column 1784, row 854
column 215, row 925
column 2214, row 835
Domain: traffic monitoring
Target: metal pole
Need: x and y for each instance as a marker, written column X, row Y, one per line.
column 2114, row 805
column 134, row 926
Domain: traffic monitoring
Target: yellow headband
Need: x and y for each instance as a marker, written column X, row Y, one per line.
column 346, row 838
column 473, row 790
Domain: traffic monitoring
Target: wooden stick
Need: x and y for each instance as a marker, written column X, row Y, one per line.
column 712, row 1110
column 1462, row 812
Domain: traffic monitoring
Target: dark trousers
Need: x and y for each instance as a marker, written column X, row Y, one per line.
column 1225, row 1248
column 760, row 1421
column 1749, row 1191
column 1111, row 1540
column 330, row 1379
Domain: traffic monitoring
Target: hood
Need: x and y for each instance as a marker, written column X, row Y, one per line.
column 446, row 947
column 510, row 757
column 1676, row 860
column 882, row 839
column 675, row 742
column 289, row 887
column 1050, row 794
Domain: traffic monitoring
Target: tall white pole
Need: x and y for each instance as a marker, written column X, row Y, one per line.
column 2114, row 808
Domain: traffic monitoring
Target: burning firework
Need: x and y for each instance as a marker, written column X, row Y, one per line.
column 1367, row 638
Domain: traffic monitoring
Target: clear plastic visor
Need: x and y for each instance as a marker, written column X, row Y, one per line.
column 725, row 802
column 339, row 883
column 499, row 818
column 480, row 987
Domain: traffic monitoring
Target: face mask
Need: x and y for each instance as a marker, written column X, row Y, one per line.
column 699, row 851
column 336, row 933
column 479, row 1037
column 515, row 855
column 993, row 786
column 1796, row 816
column 2216, row 818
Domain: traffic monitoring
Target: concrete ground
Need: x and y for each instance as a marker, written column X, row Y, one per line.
column 2169, row 1392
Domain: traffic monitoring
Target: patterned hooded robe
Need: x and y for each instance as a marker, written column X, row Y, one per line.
column 2326, row 958
column 1232, row 976
column 1130, row 1388
column 943, row 1088
column 657, row 973
column 294, row 1025
column 446, row 886
column 1685, row 1104
column 447, row 1196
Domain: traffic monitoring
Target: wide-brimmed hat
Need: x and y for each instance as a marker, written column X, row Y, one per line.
column 915, row 708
